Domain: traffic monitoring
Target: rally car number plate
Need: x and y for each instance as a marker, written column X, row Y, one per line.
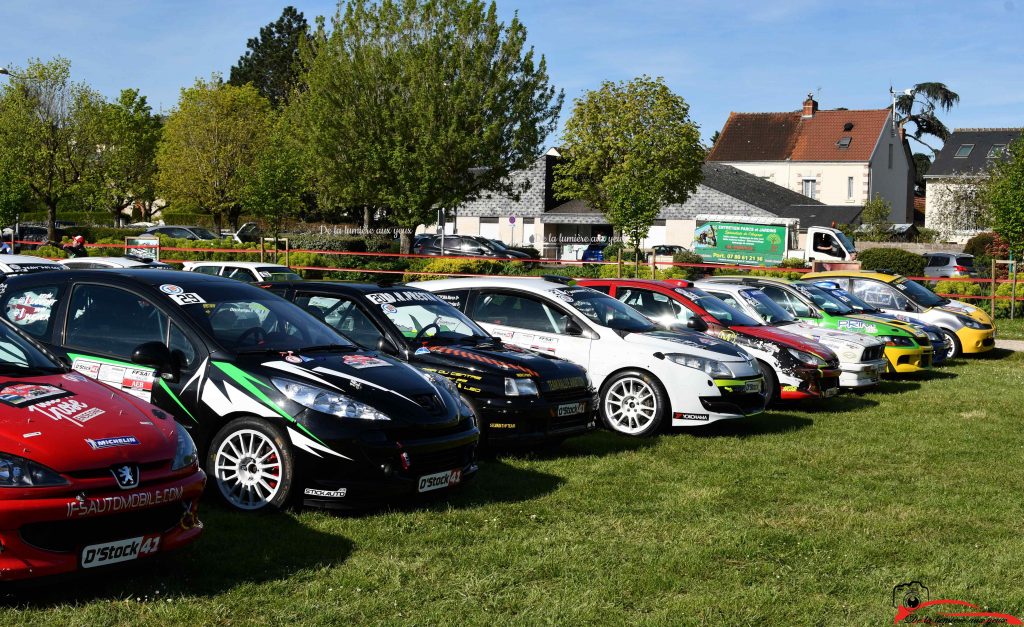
column 119, row 551
column 752, row 386
column 438, row 480
column 571, row 409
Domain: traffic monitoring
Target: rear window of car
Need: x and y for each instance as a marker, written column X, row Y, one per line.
column 965, row 261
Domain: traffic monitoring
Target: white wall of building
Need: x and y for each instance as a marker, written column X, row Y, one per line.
column 889, row 177
column 832, row 179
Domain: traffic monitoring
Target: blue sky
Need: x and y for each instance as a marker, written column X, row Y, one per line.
column 720, row 55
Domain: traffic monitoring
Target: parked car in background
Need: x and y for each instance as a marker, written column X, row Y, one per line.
column 282, row 407
column 594, row 252
column 648, row 378
column 503, row 247
column 24, row 264
column 948, row 265
column 668, row 250
column 196, row 233
column 519, row 397
column 89, row 476
column 462, row 246
column 248, row 271
column 127, row 261
column 29, row 236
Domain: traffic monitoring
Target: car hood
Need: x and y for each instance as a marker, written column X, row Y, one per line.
column 783, row 338
column 838, row 341
column 70, row 423
column 878, row 326
column 965, row 309
column 697, row 344
column 388, row 385
column 503, row 360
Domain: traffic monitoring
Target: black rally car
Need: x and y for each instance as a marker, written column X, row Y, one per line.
column 281, row 406
column 519, row 396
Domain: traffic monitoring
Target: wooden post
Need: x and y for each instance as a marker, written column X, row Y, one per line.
column 263, row 248
column 992, row 295
column 1013, row 289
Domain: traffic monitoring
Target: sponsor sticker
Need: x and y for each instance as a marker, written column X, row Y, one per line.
column 423, row 350
column 135, row 381
column 364, row 361
column 122, row 502
column 188, row 298
column 22, row 394
column 379, row 298
column 388, row 308
column 679, row 417
column 102, row 443
column 439, row 480
column 76, row 378
column 31, row 307
column 168, row 288
column 330, row 494
column 571, row 409
column 119, row 551
column 752, row 386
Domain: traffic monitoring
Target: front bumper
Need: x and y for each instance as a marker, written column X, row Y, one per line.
column 814, row 383
column 976, row 340
column 736, row 398
column 862, row 374
column 527, row 420
column 48, row 536
column 905, row 360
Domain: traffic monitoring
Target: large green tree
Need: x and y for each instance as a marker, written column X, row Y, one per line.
column 271, row 62
column 48, row 136
column 1003, row 193
column 126, row 161
column 919, row 109
column 274, row 189
column 417, row 104
column 629, row 148
column 210, row 146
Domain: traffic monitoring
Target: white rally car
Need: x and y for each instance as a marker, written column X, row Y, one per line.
column 861, row 357
column 645, row 376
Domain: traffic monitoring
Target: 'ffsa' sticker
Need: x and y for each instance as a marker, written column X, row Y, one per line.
column 188, row 298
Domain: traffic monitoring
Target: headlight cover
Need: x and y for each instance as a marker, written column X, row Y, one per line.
column 808, row 359
column 711, row 367
column 18, row 472
column 936, row 337
column 186, row 454
column 520, row 387
column 971, row 323
column 327, row 401
column 896, row 340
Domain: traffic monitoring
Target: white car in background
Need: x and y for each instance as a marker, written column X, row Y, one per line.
column 127, row 261
column 248, row 271
column 647, row 377
column 23, row 264
column 861, row 357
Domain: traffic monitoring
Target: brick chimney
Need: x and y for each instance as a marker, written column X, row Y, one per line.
column 810, row 106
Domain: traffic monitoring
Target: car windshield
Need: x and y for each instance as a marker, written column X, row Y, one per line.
column 18, row 357
column 851, row 300
column 604, row 310
column 721, row 311
column 203, row 233
column 429, row 320
column 832, row 306
column 768, row 309
column 247, row 319
column 276, row 273
column 847, row 242
column 918, row 293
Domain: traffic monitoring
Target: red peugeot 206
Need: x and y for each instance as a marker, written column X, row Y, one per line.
column 89, row 475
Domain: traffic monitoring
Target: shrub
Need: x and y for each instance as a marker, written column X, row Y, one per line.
column 1006, row 289
column 958, row 287
column 443, row 266
column 793, row 262
column 327, row 241
column 682, row 272
column 893, row 260
column 979, row 244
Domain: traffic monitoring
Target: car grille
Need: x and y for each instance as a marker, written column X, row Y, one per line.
column 570, row 423
column 872, row 353
column 423, row 462
column 572, row 394
column 65, row 536
column 742, row 403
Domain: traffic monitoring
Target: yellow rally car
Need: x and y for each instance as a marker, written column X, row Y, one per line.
column 969, row 328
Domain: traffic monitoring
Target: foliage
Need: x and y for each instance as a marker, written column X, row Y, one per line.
column 919, row 109
column 958, row 287
column 48, row 136
column 927, row 236
column 418, row 104
column 980, row 244
column 274, row 189
column 272, row 62
column 959, row 205
column 848, row 230
column 922, row 163
column 894, row 260
column 874, row 219
column 209, row 146
column 688, row 256
column 630, row 148
column 1006, row 289
column 326, row 241
column 457, row 266
column 1004, row 195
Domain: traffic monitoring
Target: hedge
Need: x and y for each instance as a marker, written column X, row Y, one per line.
column 894, row 260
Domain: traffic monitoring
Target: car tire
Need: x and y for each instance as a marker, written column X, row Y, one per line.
column 771, row 383
column 251, row 465
column 956, row 348
column 633, row 403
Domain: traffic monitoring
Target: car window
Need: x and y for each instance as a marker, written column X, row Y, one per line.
column 604, row 289
column 455, row 298
column 654, row 305
column 787, row 301
column 31, row 309
column 238, row 274
column 178, row 233
column 344, row 316
column 936, row 261
column 276, row 273
column 112, row 321
column 181, row 347
column 522, row 312
column 214, row 270
column 965, row 261
column 878, row 294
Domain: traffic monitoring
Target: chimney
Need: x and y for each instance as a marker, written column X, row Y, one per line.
column 810, row 106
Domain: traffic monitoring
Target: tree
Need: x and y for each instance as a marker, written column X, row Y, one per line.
column 1003, row 192
column 958, row 205
column 630, row 148
column 273, row 188
column 271, row 63
column 918, row 108
column 922, row 163
column 413, row 105
column 126, row 164
column 48, row 138
column 874, row 219
column 210, row 145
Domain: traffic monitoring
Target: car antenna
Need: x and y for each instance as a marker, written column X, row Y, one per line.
column 558, row 278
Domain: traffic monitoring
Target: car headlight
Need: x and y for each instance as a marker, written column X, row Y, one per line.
column 808, row 359
column 936, row 337
column 896, row 340
column 18, row 472
column 186, row 454
column 712, row 367
column 971, row 323
column 327, row 401
column 520, row 387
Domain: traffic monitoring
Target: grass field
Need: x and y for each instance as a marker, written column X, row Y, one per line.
column 807, row 515
column 1011, row 329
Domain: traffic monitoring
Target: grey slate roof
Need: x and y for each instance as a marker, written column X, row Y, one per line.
column 947, row 164
column 821, row 215
column 752, row 189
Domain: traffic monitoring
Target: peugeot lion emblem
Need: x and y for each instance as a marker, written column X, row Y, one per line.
column 127, row 476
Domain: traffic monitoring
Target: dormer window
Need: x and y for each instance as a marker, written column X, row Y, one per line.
column 964, row 151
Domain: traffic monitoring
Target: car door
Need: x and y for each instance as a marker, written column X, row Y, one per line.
column 882, row 296
column 103, row 326
column 533, row 322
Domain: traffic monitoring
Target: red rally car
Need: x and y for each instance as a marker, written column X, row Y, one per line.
column 89, row 476
column 794, row 367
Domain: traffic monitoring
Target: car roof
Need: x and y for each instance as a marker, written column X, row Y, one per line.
column 746, row 280
column 144, row 276
column 864, row 274
column 529, row 284
column 728, row 287
column 122, row 262
column 178, row 226
column 6, row 261
column 236, row 264
column 345, row 287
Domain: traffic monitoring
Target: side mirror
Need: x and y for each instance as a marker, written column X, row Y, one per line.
column 156, row 355
column 697, row 324
column 386, row 346
column 573, row 328
column 907, row 306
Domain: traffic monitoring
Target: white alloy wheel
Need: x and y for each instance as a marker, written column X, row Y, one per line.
column 248, row 469
column 631, row 405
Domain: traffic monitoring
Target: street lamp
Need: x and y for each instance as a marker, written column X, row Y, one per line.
column 893, row 93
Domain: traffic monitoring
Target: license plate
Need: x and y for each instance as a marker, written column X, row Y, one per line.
column 119, row 551
column 752, row 386
column 571, row 409
column 440, row 480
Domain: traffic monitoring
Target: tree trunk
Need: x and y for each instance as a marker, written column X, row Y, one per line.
column 405, row 242
column 367, row 214
column 51, row 221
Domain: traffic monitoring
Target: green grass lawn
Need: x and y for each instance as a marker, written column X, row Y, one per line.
column 807, row 515
column 1010, row 329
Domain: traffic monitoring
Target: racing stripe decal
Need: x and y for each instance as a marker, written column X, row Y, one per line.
column 313, row 448
column 302, row 372
column 362, row 381
column 174, row 397
column 446, row 350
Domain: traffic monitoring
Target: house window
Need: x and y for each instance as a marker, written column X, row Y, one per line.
column 811, row 188
column 890, row 156
column 997, row 151
column 964, row 151
column 849, row 188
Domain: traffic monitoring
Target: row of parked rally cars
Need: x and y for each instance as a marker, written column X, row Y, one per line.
column 125, row 390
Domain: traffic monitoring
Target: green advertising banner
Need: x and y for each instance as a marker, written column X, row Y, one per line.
column 741, row 244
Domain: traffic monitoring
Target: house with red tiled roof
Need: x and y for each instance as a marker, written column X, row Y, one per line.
column 839, row 156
